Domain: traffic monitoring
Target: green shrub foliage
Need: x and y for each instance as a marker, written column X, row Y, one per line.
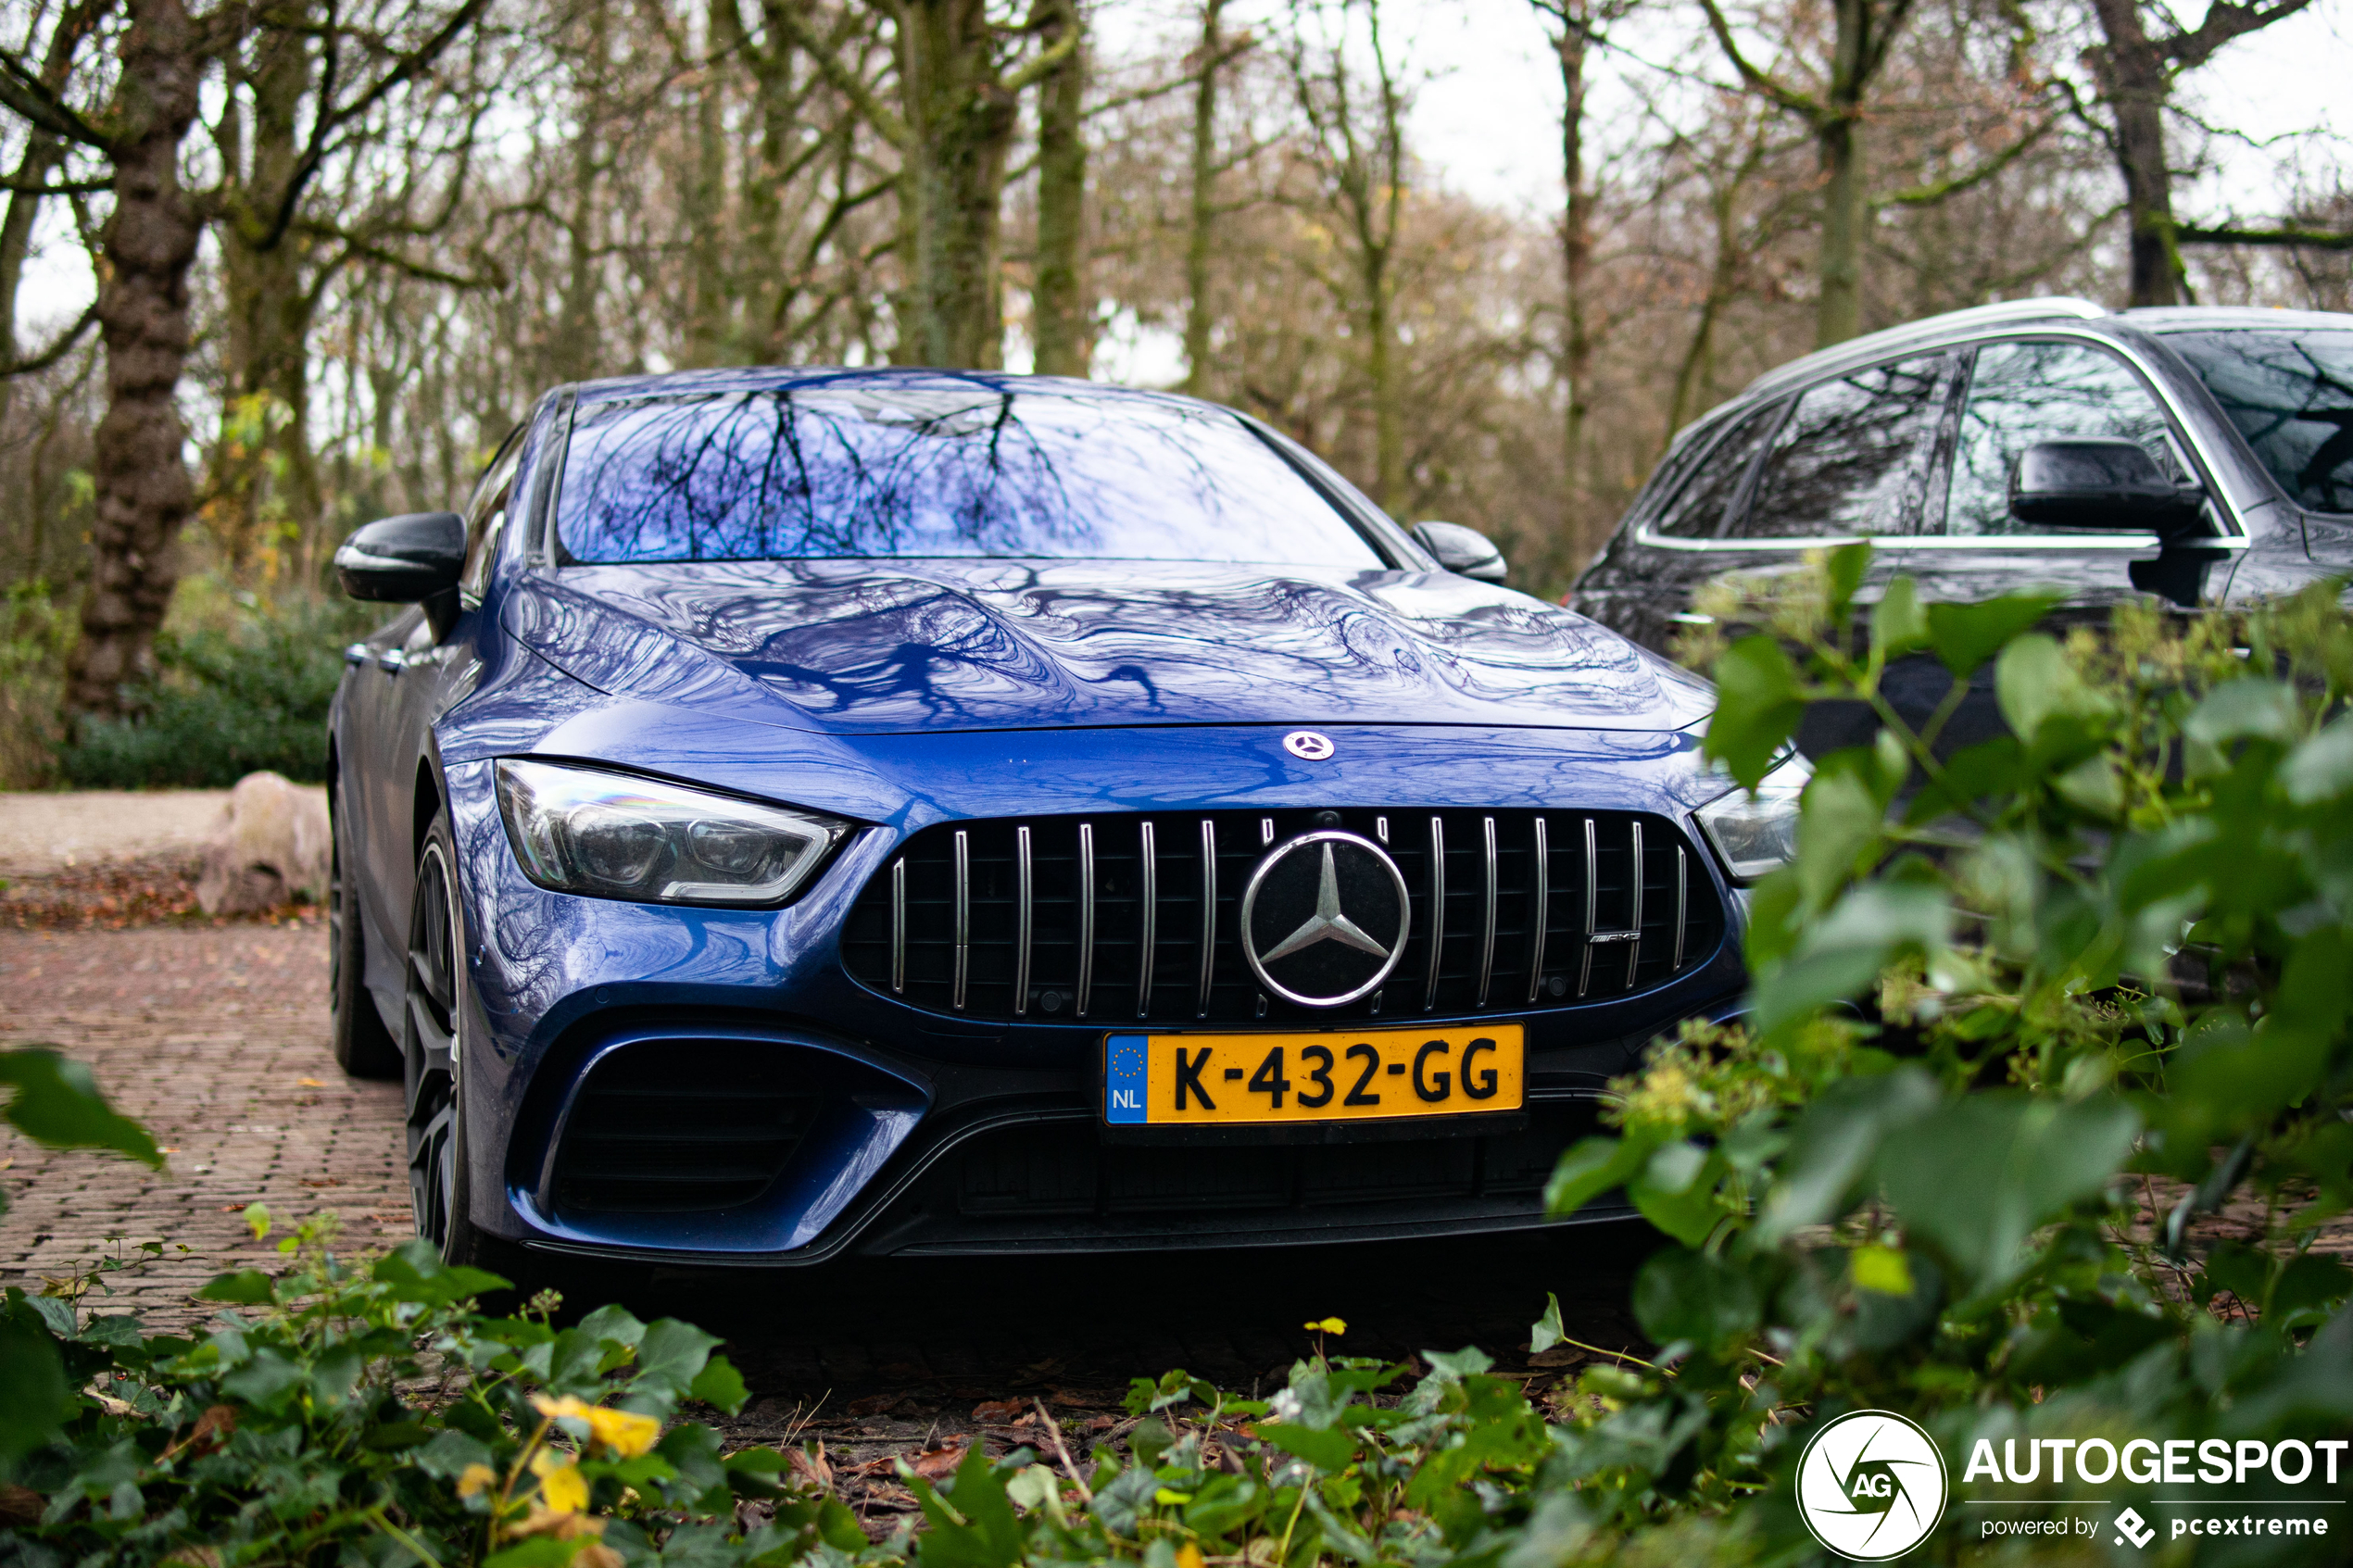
column 226, row 702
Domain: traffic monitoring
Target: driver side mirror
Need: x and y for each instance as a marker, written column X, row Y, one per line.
column 2107, row 483
column 1465, row 551
column 403, row 559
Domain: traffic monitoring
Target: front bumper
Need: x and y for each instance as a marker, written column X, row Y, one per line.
column 921, row 1135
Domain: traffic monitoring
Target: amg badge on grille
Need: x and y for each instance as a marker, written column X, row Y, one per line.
column 1324, row 918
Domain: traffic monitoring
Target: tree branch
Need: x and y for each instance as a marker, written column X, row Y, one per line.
column 1936, row 191
column 2285, row 238
column 1764, row 83
column 886, row 121
column 2224, row 21
column 57, row 350
column 25, row 93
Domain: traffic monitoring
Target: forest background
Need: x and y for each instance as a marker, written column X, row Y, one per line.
column 272, row 267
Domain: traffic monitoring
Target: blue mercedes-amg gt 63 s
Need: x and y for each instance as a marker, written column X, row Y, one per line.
column 816, row 814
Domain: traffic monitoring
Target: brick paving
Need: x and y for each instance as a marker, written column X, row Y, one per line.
column 216, row 1039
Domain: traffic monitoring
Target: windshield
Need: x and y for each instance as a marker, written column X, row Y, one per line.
column 2291, row 394
column 892, row 464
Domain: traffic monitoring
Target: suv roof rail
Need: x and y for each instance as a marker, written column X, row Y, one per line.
column 1871, row 345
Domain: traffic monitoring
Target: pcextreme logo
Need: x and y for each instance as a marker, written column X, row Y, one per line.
column 1870, row 1485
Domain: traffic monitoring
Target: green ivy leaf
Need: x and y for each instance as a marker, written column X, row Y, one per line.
column 1588, row 1169
column 1898, row 625
column 1685, row 1295
column 34, row 1397
column 246, row 1287
column 1843, row 571
column 1758, row 705
column 1979, row 1176
column 1883, row 1269
column 57, row 1103
column 1547, row 1331
column 1330, row 1450
column 720, row 1385
column 1965, row 636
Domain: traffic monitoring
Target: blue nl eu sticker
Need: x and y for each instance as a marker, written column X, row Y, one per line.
column 1126, row 1068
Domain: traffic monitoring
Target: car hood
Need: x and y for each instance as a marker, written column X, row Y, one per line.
column 866, row 648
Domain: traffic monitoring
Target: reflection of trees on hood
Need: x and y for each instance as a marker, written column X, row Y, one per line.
column 890, row 467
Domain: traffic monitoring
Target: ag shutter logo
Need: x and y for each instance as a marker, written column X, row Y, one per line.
column 1870, row 1485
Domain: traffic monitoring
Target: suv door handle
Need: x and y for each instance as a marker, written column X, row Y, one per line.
column 355, row 654
column 393, row 660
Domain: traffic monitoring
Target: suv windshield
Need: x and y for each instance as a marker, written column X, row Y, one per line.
column 2291, row 394
column 887, row 465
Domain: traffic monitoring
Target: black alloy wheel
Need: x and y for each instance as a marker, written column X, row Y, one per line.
column 429, row 1040
column 363, row 1047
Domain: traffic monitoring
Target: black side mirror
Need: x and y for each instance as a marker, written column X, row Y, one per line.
column 2108, row 484
column 403, row 559
column 1463, row 550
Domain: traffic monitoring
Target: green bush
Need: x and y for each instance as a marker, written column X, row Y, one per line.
column 226, row 701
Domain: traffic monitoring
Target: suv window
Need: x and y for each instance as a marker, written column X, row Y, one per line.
column 1697, row 512
column 1854, row 455
column 2291, row 396
column 2022, row 393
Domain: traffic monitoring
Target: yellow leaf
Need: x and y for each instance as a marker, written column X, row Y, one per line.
column 562, row 1486
column 476, row 1478
column 1189, row 1555
column 625, row 1434
column 1883, row 1269
column 1329, row 1325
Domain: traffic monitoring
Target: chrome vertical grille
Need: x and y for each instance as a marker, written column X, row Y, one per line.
column 1041, row 918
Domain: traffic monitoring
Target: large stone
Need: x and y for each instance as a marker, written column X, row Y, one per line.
column 270, row 843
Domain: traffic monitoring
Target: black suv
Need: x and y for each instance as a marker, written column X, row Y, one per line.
column 2201, row 455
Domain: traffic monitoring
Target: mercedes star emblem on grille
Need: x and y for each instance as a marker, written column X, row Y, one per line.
column 1324, row 918
column 1308, row 747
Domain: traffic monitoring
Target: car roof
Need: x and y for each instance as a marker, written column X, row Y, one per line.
column 2232, row 318
column 775, row 378
column 1927, row 330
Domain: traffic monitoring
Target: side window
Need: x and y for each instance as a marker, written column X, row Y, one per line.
column 486, row 520
column 1697, row 512
column 2022, row 393
column 1854, row 455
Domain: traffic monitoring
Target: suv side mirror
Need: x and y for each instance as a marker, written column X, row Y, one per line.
column 1463, row 550
column 2107, row 483
column 403, row 559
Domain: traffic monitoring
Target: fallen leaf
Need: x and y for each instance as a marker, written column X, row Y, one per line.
column 310, row 1082
column 812, row 1467
column 999, row 1412
column 936, row 1465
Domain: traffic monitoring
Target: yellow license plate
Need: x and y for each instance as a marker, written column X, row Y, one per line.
column 1161, row 1080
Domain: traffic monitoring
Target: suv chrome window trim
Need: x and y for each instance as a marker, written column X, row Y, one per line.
column 2183, row 428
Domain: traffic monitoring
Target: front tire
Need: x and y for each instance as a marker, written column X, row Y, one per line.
column 432, row 990
column 363, row 1047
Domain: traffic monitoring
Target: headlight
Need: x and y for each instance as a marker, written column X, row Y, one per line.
column 1756, row 835
column 613, row 836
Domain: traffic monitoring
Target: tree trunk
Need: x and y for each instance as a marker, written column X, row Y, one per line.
column 1837, row 141
column 763, row 209
column 41, row 154
column 142, row 492
column 1059, row 314
column 1204, row 210
column 1577, row 258
column 711, row 311
column 269, row 308
column 961, row 120
column 2134, row 79
column 577, row 352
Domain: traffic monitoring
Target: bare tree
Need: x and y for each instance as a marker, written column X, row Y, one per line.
column 1354, row 144
column 2137, row 70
